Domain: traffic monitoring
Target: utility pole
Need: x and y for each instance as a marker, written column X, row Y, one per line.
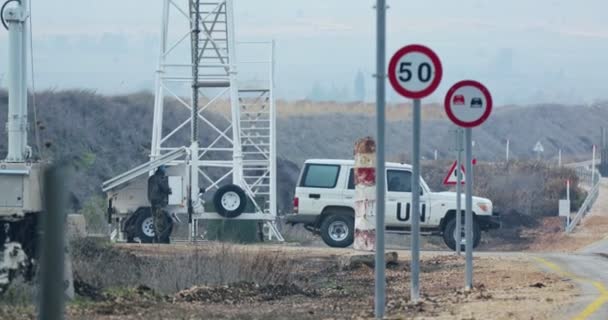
column 593, row 167
column 380, row 162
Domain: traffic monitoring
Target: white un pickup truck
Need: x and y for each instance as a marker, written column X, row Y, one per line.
column 324, row 202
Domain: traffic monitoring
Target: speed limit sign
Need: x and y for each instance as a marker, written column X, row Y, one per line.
column 415, row 71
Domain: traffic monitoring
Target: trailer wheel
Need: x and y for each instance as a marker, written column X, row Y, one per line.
column 144, row 227
column 140, row 227
column 230, row 201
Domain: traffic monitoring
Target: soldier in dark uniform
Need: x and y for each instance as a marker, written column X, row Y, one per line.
column 158, row 195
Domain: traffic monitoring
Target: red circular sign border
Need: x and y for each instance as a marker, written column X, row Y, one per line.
column 448, row 103
column 392, row 76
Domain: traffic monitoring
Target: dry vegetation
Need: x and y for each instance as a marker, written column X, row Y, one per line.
column 524, row 192
column 308, row 108
column 215, row 264
column 143, row 282
column 102, row 136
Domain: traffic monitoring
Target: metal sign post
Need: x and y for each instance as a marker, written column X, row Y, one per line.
column 468, row 104
column 379, row 288
column 415, row 242
column 449, row 180
column 459, row 191
column 415, row 72
column 593, row 168
column 468, row 219
column 568, row 199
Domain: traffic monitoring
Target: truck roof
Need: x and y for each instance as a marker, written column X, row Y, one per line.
column 347, row 162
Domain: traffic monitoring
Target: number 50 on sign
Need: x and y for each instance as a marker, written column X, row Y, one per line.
column 415, row 71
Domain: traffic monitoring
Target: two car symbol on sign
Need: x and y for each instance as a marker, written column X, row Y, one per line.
column 458, row 100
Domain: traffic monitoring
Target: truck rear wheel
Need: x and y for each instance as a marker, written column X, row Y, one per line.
column 449, row 235
column 338, row 230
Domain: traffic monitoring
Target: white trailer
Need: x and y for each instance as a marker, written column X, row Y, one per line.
column 242, row 148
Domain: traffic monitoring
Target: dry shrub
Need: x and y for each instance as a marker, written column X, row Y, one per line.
column 297, row 233
column 522, row 191
column 103, row 266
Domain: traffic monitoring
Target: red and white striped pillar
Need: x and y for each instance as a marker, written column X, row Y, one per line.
column 365, row 194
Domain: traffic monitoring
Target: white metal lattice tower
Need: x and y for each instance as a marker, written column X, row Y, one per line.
column 242, row 144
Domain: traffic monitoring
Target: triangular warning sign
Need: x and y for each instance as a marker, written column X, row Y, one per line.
column 538, row 147
column 452, row 178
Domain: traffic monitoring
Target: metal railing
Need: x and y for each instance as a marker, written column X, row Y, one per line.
column 594, row 180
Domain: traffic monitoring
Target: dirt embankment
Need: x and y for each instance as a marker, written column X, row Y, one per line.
column 593, row 228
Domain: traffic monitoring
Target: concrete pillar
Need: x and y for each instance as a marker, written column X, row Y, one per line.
column 365, row 194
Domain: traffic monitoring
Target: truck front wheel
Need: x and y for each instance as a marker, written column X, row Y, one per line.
column 449, row 235
column 338, row 230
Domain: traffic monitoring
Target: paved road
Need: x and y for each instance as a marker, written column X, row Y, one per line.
column 590, row 271
column 588, row 267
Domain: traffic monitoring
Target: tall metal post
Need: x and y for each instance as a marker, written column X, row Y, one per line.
column 17, row 92
column 193, row 176
column 380, row 161
column 459, row 147
column 194, row 38
column 237, row 155
column 469, row 209
column 559, row 158
column 52, row 245
column 415, row 235
column 507, row 151
column 568, row 198
column 273, row 134
column 593, row 167
column 158, row 86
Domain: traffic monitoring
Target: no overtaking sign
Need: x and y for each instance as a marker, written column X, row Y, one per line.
column 468, row 103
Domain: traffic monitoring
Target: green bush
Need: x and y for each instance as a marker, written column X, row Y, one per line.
column 94, row 211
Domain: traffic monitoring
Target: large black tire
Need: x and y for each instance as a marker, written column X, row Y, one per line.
column 144, row 227
column 230, row 201
column 338, row 230
column 449, row 237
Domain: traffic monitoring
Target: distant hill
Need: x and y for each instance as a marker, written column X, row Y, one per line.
column 574, row 129
column 103, row 136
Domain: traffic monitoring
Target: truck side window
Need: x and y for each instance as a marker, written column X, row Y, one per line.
column 320, row 176
column 351, row 180
column 399, row 181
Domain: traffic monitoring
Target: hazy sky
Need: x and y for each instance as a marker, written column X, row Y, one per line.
column 525, row 51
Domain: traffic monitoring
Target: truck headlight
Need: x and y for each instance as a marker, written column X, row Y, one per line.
column 485, row 207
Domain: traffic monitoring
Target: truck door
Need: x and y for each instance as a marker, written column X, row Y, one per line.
column 399, row 199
